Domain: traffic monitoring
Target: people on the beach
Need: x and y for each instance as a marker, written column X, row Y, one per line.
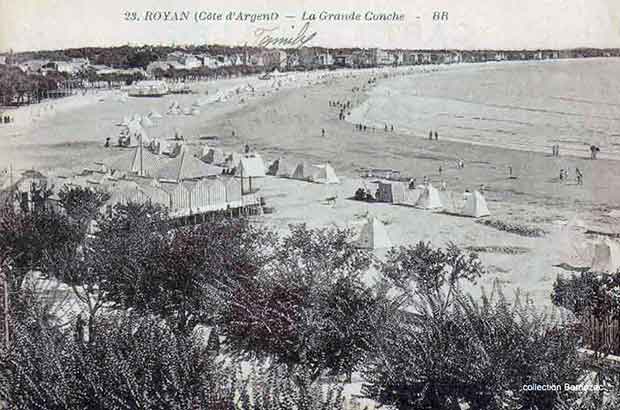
column 412, row 183
column 561, row 175
column 247, row 148
column 579, row 176
column 430, row 135
column 322, row 132
column 107, row 142
column 444, row 185
column 594, row 150
column 440, row 170
column 436, row 135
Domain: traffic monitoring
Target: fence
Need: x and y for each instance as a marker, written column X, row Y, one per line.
column 602, row 334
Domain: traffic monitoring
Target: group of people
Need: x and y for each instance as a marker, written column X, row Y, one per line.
column 345, row 108
column 555, row 150
column 431, row 134
column 364, row 194
column 362, row 127
column 391, row 129
column 578, row 176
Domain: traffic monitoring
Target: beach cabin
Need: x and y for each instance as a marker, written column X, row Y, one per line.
column 391, row 192
column 373, row 235
column 250, row 167
column 281, row 168
column 324, row 174
column 303, row 171
column 429, row 198
column 606, row 256
column 214, row 156
column 179, row 197
column 475, row 205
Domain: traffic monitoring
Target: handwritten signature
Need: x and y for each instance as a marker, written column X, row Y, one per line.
column 268, row 37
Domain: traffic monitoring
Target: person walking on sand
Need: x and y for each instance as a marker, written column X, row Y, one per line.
column 322, row 132
column 579, row 176
column 436, row 136
column 430, row 135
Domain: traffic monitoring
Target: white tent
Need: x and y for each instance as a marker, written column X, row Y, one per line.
column 281, row 168
column 146, row 122
column 606, row 256
column 475, row 205
column 303, row 171
column 325, row 174
column 429, row 198
column 373, row 235
column 214, row 156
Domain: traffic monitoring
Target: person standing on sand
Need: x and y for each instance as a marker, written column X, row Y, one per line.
column 509, row 171
column 323, row 132
column 436, row 136
column 392, row 128
column 430, row 135
column 444, row 186
column 579, row 176
column 562, row 175
column 440, row 170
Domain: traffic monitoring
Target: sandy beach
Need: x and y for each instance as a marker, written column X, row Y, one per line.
column 288, row 123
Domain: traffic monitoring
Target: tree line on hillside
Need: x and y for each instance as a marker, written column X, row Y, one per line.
column 139, row 313
column 17, row 87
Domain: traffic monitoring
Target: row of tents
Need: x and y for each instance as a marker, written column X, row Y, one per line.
column 471, row 204
column 304, row 171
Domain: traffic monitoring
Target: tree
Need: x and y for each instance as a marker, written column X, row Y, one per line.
column 309, row 309
column 136, row 363
column 443, row 348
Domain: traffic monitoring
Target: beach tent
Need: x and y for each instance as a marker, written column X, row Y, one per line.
column 214, row 156
column 393, row 192
column 250, row 167
column 186, row 166
column 136, row 161
column 304, row 171
column 373, row 235
column 281, row 168
column 429, row 198
column 146, row 122
column 606, row 256
column 324, row 174
column 475, row 206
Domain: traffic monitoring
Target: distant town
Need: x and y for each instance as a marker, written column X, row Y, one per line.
column 28, row 77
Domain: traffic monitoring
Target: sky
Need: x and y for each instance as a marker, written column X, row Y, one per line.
column 471, row 24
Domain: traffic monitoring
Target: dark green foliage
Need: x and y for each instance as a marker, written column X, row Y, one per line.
column 589, row 293
column 135, row 363
column 309, row 308
column 272, row 389
column 446, row 348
